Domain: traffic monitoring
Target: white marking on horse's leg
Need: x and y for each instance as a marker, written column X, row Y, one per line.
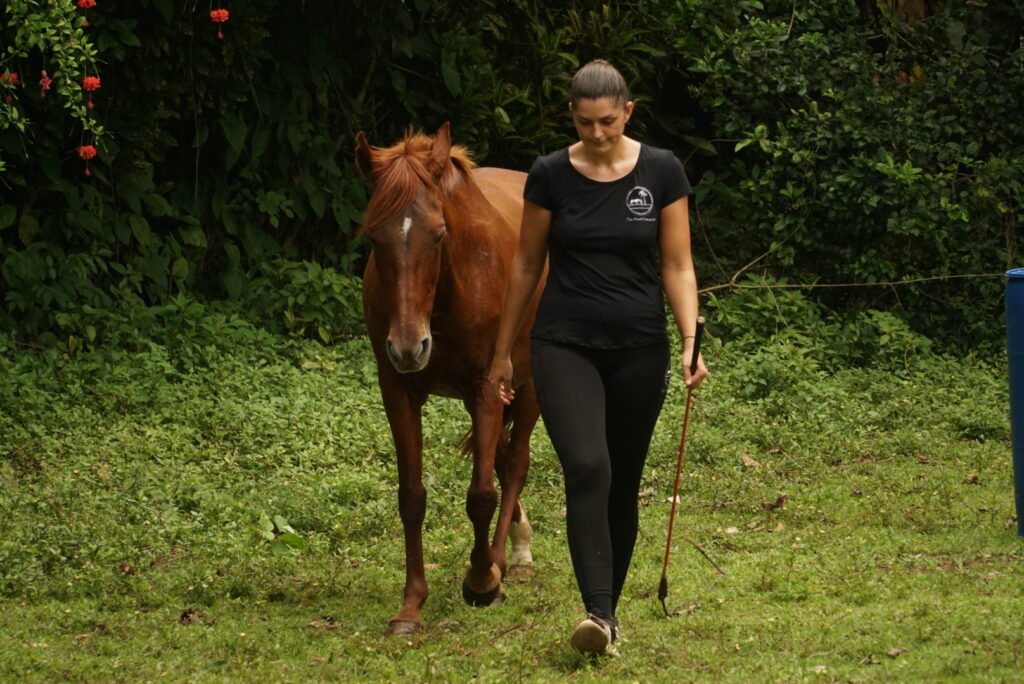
column 521, row 533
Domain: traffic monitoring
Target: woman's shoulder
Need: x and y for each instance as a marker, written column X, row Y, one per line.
column 551, row 165
column 659, row 154
column 554, row 159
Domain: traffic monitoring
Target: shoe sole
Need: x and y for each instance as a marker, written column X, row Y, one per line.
column 590, row 637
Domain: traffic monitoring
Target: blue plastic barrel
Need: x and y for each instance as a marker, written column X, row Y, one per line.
column 1015, row 352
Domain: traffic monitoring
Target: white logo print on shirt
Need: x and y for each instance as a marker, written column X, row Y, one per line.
column 639, row 201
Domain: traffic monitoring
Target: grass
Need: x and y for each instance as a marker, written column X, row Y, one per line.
column 132, row 489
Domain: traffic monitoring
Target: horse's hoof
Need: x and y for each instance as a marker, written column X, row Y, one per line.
column 403, row 627
column 520, row 573
column 488, row 599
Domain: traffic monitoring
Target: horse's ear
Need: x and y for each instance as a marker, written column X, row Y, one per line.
column 363, row 162
column 438, row 161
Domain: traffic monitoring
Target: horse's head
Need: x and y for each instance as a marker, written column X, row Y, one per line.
column 406, row 223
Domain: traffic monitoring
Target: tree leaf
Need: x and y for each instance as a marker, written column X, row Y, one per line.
column 450, row 73
column 235, row 131
column 28, row 228
column 293, row 541
column 180, row 268
column 140, row 229
column 8, row 212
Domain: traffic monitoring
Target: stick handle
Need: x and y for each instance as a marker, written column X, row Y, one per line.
column 697, row 335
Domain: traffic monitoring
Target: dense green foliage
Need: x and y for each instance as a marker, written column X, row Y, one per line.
column 214, row 510
column 831, row 142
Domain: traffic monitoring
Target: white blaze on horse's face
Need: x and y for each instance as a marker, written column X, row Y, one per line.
column 409, row 256
column 404, row 230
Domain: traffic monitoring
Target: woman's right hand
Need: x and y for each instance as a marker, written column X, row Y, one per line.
column 500, row 378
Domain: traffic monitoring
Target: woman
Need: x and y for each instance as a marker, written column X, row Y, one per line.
column 611, row 214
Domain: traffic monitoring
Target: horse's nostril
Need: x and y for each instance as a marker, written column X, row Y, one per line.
column 424, row 347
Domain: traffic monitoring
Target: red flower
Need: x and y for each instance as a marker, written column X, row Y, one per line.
column 86, row 5
column 44, row 83
column 10, row 79
column 219, row 16
column 87, row 152
column 90, row 83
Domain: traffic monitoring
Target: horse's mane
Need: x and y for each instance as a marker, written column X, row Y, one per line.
column 400, row 171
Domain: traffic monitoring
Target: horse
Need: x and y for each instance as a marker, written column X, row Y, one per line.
column 443, row 235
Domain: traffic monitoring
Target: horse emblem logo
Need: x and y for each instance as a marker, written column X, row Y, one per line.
column 640, row 201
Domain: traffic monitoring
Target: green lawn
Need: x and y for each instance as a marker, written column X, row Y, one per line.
column 136, row 492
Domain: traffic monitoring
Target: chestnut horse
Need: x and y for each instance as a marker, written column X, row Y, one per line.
column 444, row 234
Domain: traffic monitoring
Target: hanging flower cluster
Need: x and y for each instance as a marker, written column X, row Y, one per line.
column 219, row 16
column 86, row 5
column 90, row 83
column 9, row 79
column 87, row 152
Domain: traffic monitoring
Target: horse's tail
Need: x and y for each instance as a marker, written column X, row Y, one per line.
column 465, row 443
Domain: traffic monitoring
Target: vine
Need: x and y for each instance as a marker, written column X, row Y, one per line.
column 53, row 32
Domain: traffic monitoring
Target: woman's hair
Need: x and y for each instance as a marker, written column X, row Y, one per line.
column 598, row 79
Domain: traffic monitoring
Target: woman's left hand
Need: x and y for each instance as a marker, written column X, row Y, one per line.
column 693, row 381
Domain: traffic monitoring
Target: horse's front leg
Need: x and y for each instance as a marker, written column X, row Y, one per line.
column 405, row 419
column 482, row 584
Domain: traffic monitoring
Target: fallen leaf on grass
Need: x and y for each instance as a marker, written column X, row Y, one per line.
column 895, row 652
column 732, row 530
column 921, row 458
column 1010, row 522
column 870, row 660
column 778, row 503
column 100, row 629
column 972, row 479
column 323, row 624
column 751, row 462
column 779, row 528
column 676, row 497
column 646, row 494
column 755, row 526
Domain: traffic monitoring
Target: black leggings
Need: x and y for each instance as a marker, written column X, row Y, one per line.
column 599, row 407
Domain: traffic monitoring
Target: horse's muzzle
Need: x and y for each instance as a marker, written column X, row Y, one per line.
column 409, row 359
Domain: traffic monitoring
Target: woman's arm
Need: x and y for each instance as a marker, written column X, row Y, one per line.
column 680, row 281
column 527, row 267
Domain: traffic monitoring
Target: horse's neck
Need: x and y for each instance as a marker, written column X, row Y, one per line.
column 470, row 216
column 478, row 248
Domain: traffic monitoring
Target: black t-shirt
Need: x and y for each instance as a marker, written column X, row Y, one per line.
column 604, row 287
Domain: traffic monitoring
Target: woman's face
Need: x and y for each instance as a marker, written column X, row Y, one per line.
column 600, row 123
